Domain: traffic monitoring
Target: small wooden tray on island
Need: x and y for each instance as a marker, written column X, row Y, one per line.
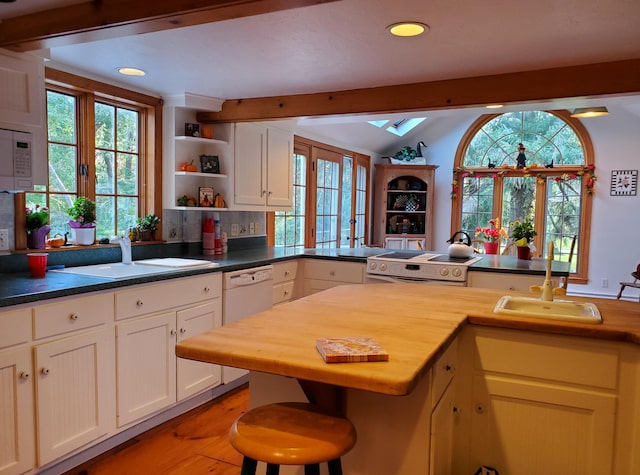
column 350, row 350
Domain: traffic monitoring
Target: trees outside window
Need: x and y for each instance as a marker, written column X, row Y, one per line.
column 533, row 165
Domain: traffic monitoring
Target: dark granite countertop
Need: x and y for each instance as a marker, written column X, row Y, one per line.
column 17, row 287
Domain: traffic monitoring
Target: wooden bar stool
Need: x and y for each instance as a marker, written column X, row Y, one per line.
column 292, row 433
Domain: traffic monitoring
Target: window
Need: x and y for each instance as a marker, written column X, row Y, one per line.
column 100, row 145
column 551, row 186
column 330, row 199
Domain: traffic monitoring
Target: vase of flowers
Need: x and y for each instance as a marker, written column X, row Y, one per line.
column 522, row 233
column 37, row 227
column 491, row 236
column 83, row 221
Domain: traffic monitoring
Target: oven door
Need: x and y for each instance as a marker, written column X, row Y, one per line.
column 377, row 279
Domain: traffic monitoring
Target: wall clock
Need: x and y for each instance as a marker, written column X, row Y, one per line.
column 624, row 182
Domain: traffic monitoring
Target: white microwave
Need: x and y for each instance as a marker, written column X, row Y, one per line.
column 16, row 160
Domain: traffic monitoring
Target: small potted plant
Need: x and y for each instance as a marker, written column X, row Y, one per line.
column 147, row 226
column 83, row 221
column 522, row 233
column 491, row 236
column 37, row 227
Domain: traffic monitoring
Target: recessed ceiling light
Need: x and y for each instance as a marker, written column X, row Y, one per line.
column 588, row 112
column 494, row 106
column 131, row 71
column 408, row 28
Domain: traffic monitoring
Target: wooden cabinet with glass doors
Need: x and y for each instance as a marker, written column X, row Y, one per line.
column 403, row 206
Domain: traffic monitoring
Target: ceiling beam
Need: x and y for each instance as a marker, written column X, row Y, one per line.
column 591, row 80
column 104, row 19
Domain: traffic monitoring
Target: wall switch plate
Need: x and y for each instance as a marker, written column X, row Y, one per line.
column 4, row 239
column 252, row 228
column 605, row 283
column 235, row 229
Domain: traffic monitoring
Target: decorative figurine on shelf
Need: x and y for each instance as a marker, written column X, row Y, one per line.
column 549, row 165
column 521, row 160
column 491, row 164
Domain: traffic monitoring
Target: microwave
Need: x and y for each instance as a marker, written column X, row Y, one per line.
column 16, row 160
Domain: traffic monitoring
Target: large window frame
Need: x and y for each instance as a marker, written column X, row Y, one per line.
column 87, row 93
column 544, row 179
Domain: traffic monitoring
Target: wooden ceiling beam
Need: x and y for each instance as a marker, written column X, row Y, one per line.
column 104, row 19
column 591, row 80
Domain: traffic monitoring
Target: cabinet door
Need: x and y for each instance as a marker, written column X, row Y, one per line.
column 523, row 426
column 250, row 165
column 442, row 424
column 146, row 366
column 17, row 448
column 194, row 376
column 394, row 243
column 74, row 381
column 279, row 168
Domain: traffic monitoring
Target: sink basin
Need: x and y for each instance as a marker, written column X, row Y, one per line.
column 583, row 312
column 118, row 270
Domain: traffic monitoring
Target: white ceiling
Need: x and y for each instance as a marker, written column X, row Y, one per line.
column 344, row 45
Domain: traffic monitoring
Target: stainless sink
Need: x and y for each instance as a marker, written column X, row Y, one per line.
column 118, row 270
column 583, row 312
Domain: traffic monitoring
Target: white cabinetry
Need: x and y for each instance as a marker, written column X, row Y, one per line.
column 74, row 373
column 322, row 274
column 412, row 244
column 151, row 319
column 542, row 404
column 179, row 148
column 22, row 95
column 505, row 281
column 263, row 177
column 17, row 446
column 284, row 280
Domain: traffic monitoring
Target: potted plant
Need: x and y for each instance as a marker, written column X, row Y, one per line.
column 147, row 226
column 491, row 236
column 37, row 227
column 83, row 221
column 522, row 233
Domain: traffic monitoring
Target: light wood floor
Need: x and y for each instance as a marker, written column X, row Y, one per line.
column 194, row 443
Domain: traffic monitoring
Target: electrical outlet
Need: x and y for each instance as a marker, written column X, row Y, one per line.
column 235, row 229
column 256, row 228
column 252, row 228
column 4, row 239
column 605, row 283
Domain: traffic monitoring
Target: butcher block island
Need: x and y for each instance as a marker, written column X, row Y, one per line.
column 462, row 388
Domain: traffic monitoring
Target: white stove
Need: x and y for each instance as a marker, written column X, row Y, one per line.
column 408, row 266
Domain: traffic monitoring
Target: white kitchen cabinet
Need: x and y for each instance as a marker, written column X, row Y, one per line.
column 180, row 148
column 151, row 319
column 320, row 274
column 284, row 281
column 17, row 426
column 505, row 281
column 405, row 244
column 263, row 179
column 22, row 95
column 74, row 373
column 542, row 404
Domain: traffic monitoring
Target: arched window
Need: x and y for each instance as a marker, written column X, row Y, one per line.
column 535, row 166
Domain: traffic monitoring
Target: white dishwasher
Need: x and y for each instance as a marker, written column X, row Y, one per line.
column 244, row 292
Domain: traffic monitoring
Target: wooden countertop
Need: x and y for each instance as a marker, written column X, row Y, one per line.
column 414, row 323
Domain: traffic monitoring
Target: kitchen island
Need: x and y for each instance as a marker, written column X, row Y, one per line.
column 394, row 404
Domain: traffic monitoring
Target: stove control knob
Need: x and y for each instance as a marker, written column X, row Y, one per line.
column 373, row 265
column 444, row 272
column 456, row 272
column 383, row 267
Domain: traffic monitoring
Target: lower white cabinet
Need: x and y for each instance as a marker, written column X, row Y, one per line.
column 441, row 440
column 505, row 281
column 405, row 244
column 322, row 274
column 17, row 446
column 284, row 281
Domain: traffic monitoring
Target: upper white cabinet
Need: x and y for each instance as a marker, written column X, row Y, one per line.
column 263, row 179
column 22, row 95
column 181, row 148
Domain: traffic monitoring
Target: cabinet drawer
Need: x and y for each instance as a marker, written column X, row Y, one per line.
column 15, row 327
column 283, row 271
column 443, row 371
column 282, row 292
column 148, row 298
column 351, row 272
column 563, row 359
column 72, row 314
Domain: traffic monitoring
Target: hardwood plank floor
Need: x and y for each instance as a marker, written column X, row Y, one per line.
column 193, row 443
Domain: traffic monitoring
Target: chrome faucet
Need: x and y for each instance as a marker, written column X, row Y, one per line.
column 125, row 247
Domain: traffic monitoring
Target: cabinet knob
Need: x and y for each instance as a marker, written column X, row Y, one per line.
column 139, row 303
column 73, row 316
column 449, row 368
column 172, row 332
column 286, row 273
column 286, row 292
column 24, row 376
column 332, row 273
column 270, row 193
column 44, row 371
column 206, row 290
column 264, row 192
column 183, row 331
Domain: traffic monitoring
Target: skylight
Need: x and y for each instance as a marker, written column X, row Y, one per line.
column 399, row 127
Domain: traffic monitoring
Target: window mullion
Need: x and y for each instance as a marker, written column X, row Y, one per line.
column 87, row 149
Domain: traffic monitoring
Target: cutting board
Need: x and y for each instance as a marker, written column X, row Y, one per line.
column 177, row 262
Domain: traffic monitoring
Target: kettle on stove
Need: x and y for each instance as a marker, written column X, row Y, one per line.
column 462, row 247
